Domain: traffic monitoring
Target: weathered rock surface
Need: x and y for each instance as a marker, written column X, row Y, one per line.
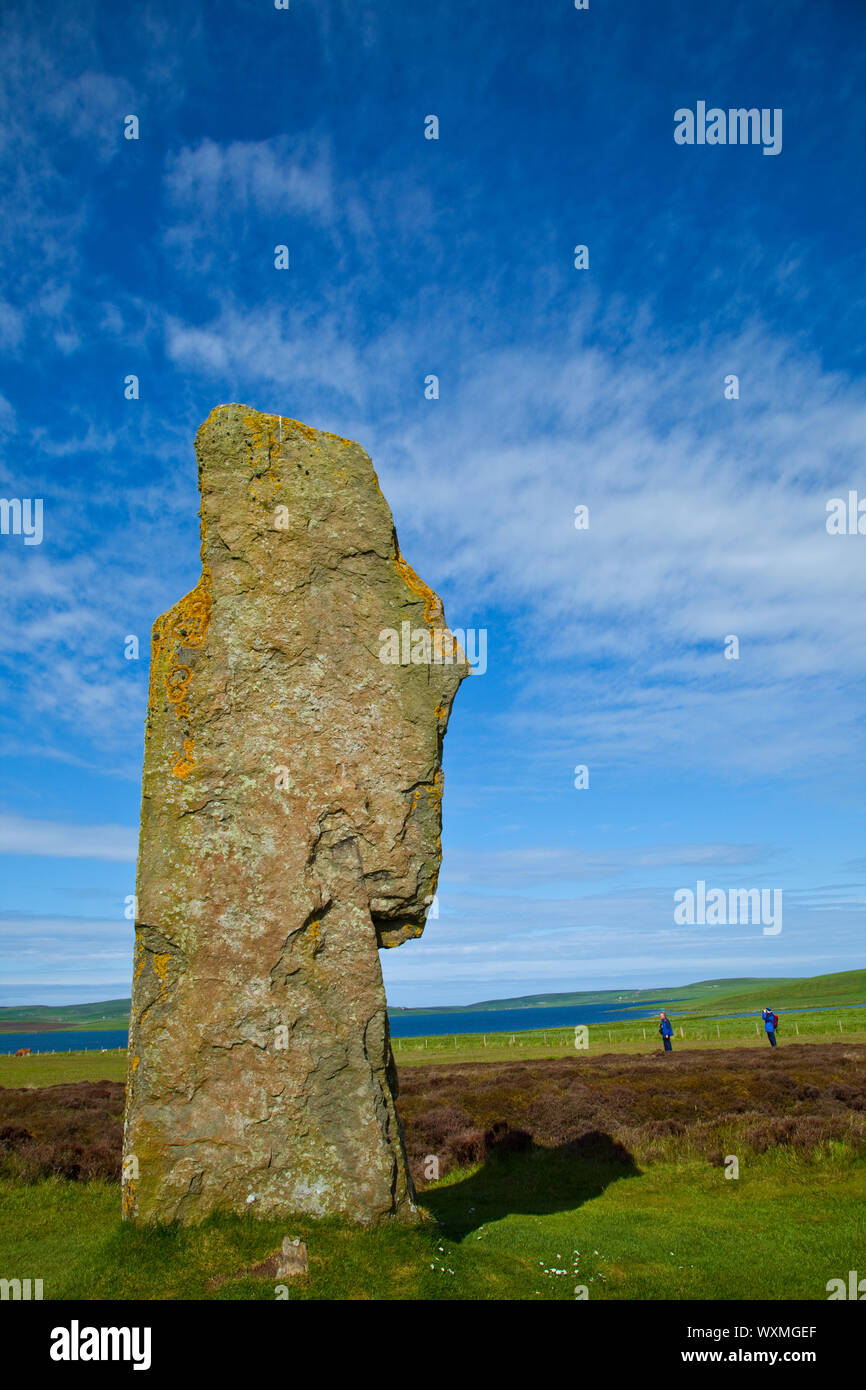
column 291, row 811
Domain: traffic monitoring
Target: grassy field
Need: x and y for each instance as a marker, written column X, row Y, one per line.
column 526, row 1228
column 631, row 1038
column 621, row 1191
column 843, row 987
column 55, row 1069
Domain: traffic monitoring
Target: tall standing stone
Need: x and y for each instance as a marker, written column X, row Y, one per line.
column 290, row 827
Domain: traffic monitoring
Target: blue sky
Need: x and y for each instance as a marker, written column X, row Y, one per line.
column 558, row 387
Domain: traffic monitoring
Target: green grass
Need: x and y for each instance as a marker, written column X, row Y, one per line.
column 677, row 1230
column 667, row 1226
column 629, row 1037
column 59, row 1068
column 844, row 987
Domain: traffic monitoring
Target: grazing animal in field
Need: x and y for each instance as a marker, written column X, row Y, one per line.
column 24, row 1052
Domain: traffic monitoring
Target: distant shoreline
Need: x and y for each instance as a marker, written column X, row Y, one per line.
column 720, row 998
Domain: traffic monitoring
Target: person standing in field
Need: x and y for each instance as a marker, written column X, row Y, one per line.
column 666, row 1029
column 770, row 1021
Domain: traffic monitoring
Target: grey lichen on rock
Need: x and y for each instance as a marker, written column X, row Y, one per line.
column 290, row 827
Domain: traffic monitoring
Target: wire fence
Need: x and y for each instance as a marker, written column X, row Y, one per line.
column 588, row 1036
column 59, row 1051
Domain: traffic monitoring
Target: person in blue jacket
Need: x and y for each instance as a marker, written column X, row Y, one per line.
column 666, row 1028
column 770, row 1025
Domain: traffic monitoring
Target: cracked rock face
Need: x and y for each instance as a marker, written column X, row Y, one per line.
column 291, row 812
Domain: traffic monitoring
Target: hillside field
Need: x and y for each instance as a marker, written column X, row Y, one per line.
column 602, row 1175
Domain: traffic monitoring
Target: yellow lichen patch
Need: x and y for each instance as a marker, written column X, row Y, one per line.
column 306, row 430
column 176, row 683
column 432, row 789
column 160, row 966
column 315, row 934
column 191, row 616
column 440, row 711
column 160, row 970
column 135, row 1063
column 127, row 1199
column 140, row 956
column 185, row 625
column 444, row 635
column 186, row 762
column 265, row 432
column 432, row 602
column 255, row 424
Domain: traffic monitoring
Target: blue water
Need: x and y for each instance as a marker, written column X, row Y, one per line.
column 421, row 1025
column 402, row 1026
column 518, row 1020
column 63, row 1042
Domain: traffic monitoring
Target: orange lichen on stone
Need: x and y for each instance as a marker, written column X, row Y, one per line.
column 160, row 966
column 177, row 681
column 160, row 970
column 255, row 424
column 432, row 602
column 306, row 430
column 457, row 652
column 185, row 625
column 266, row 433
column 140, row 957
column 186, row 762
column 192, row 615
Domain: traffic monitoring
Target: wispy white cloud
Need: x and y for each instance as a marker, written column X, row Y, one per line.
column 501, row 944
column 60, row 839
column 529, row 866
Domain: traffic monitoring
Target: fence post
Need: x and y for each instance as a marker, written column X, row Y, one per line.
column 485, row 1039
column 644, row 1034
column 718, row 1031
column 839, row 1021
column 797, row 1029
column 682, row 1034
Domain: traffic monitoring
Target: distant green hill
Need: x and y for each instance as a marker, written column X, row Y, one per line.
column 845, row 987
column 702, row 999
column 110, row 1013
column 639, row 998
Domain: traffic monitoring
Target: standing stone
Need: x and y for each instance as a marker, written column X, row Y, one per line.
column 290, row 827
